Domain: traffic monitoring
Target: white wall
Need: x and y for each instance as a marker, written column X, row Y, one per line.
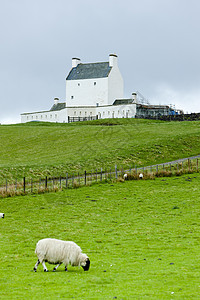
column 82, row 111
column 115, row 85
column 46, row 116
column 116, row 111
column 103, row 112
column 87, row 92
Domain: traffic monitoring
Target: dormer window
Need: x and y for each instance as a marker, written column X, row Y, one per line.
column 72, row 97
column 95, row 83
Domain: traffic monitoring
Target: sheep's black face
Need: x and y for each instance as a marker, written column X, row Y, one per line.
column 87, row 266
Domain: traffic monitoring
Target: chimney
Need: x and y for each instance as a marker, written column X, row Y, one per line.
column 112, row 60
column 134, row 97
column 75, row 62
column 56, row 100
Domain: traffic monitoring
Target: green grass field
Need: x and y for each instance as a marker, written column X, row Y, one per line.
column 43, row 149
column 142, row 238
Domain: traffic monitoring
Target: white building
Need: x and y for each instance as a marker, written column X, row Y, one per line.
column 93, row 90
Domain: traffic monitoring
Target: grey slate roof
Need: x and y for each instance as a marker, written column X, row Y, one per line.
column 58, row 106
column 122, row 101
column 89, row 71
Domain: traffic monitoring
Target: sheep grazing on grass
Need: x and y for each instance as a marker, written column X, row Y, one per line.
column 57, row 252
column 125, row 176
column 2, row 215
column 140, row 175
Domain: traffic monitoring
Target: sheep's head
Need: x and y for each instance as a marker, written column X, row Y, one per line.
column 85, row 264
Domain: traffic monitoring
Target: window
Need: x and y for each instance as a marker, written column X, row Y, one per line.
column 74, row 112
column 72, row 97
column 95, row 83
column 90, row 113
column 80, row 113
column 78, row 84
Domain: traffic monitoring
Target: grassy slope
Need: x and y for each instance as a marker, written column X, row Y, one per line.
column 142, row 238
column 54, row 149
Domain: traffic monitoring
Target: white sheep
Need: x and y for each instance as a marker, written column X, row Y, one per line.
column 125, row 176
column 2, row 215
column 57, row 252
column 140, row 175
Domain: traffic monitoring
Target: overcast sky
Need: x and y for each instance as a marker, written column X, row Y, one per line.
column 157, row 43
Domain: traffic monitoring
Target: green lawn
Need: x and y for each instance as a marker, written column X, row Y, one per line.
column 142, row 238
column 39, row 149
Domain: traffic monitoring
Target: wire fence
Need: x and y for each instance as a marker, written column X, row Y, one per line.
column 27, row 185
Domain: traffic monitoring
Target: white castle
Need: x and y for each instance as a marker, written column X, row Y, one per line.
column 93, row 91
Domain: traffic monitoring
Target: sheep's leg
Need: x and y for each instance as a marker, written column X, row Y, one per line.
column 56, row 267
column 44, row 267
column 66, row 269
column 36, row 265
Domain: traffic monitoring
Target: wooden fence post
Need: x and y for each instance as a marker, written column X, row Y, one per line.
column 72, row 180
column 66, row 180
column 85, row 177
column 197, row 164
column 45, row 182
column 60, row 181
column 31, row 185
column 101, row 175
column 79, row 182
column 24, row 184
column 116, row 171
column 6, row 185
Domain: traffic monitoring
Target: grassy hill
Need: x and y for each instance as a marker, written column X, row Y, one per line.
column 142, row 238
column 40, row 149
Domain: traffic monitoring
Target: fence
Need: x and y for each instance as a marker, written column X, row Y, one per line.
column 181, row 117
column 29, row 186
column 78, row 119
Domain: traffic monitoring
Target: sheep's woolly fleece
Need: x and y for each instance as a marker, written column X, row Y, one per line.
column 57, row 252
column 2, row 215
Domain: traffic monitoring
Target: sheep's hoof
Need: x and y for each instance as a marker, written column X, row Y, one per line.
column 35, row 270
column 66, row 269
column 54, row 269
column 45, row 270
